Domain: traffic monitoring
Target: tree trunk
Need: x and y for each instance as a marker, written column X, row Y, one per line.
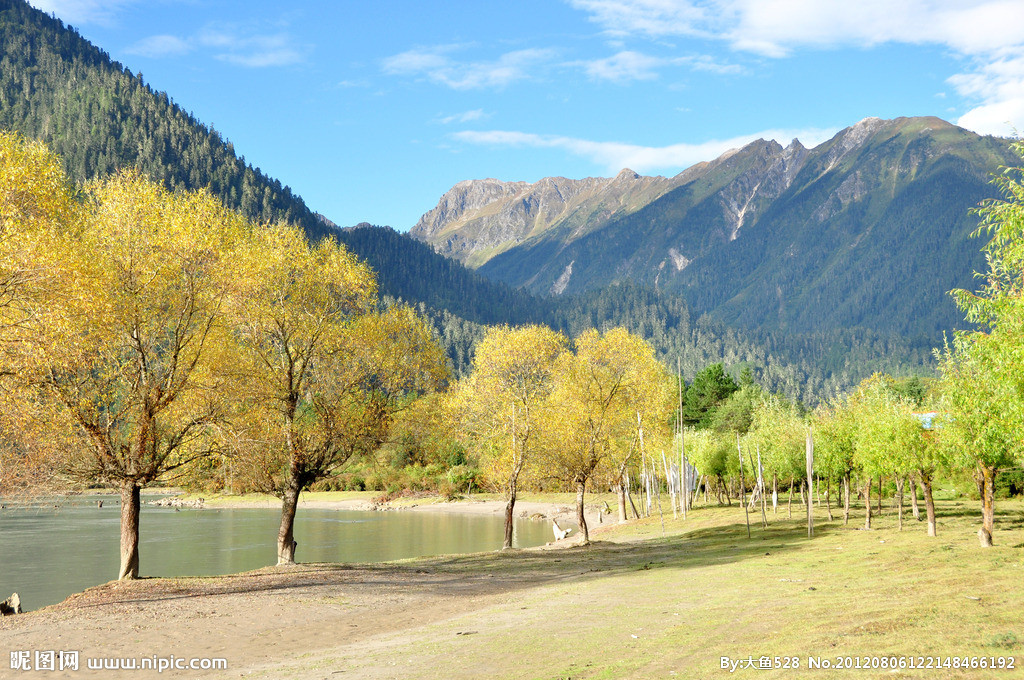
column 899, row 503
column 929, row 503
column 879, row 495
column 988, row 509
column 286, row 536
column 913, row 498
column 622, row 500
column 509, row 517
column 581, row 487
column 846, row 500
column 867, row 504
column 828, row 498
column 131, row 502
column 791, row 482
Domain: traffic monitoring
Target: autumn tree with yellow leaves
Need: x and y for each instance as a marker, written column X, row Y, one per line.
column 140, row 326
column 317, row 371
column 600, row 389
column 499, row 405
column 114, row 364
column 37, row 202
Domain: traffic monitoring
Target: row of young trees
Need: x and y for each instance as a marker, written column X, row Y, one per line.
column 970, row 420
column 148, row 333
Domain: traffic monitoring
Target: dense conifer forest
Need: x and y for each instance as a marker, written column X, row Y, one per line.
column 99, row 117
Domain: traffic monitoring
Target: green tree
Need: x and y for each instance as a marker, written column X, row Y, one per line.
column 779, row 431
column 835, row 434
column 709, row 389
column 983, row 370
column 982, row 409
column 709, row 452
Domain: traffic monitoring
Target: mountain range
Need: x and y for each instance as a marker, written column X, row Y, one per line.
column 813, row 267
column 870, row 229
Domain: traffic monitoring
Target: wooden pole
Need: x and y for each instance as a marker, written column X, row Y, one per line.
column 629, row 497
column 810, row 476
column 760, row 486
column 743, row 495
column 684, row 473
column 657, row 491
column 670, row 482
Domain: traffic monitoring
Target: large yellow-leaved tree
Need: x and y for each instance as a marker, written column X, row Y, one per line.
column 115, row 364
column 317, row 371
column 599, row 390
column 500, row 403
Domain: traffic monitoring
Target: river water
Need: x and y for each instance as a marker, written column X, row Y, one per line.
column 48, row 551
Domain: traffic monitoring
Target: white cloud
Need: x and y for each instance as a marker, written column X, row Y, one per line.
column 82, row 12
column 613, row 156
column 226, row 43
column 989, row 32
column 651, row 17
column 774, row 27
column 709, row 64
column 250, row 50
column 434, row 64
column 971, row 27
column 623, row 67
column 627, row 66
column 998, row 86
column 158, row 46
column 464, row 117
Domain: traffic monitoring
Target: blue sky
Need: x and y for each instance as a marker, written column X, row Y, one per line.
column 371, row 111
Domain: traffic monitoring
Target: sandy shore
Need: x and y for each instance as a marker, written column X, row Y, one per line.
column 262, row 621
column 564, row 513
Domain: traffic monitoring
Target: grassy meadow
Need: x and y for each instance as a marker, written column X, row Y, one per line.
column 646, row 603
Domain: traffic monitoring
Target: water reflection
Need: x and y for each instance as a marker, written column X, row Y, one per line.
column 51, row 552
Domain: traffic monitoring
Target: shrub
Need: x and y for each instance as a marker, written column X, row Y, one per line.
column 462, row 477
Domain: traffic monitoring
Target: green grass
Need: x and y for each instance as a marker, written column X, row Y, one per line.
column 639, row 604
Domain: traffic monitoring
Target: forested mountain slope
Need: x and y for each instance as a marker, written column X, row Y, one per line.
column 868, row 230
column 459, row 302
column 60, row 88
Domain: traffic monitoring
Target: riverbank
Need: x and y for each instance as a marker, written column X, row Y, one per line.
column 559, row 507
column 641, row 602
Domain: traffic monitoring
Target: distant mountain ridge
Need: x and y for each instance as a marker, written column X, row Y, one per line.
column 869, row 229
column 477, row 219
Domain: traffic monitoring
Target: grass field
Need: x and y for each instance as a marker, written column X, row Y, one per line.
column 643, row 604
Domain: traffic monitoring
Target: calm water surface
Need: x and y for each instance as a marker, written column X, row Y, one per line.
column 51, row 552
